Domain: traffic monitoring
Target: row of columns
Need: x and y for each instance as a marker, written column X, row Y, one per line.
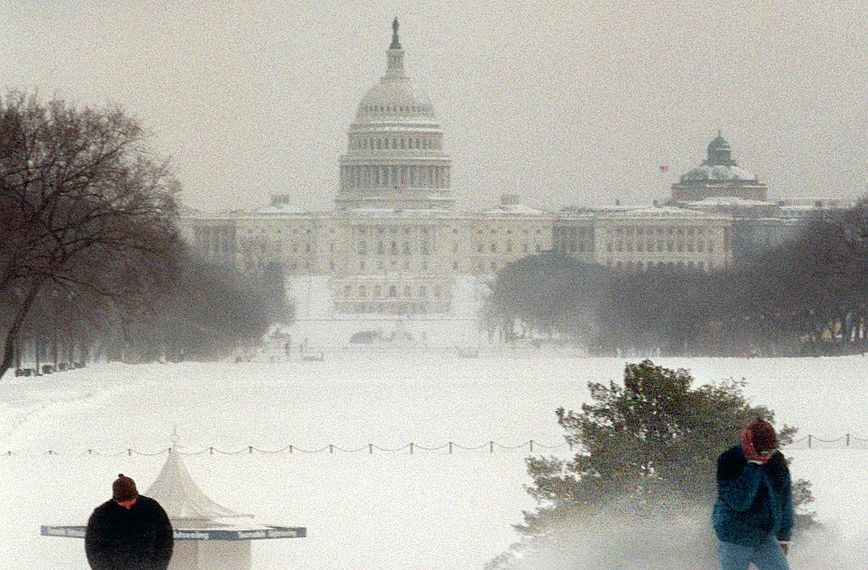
column 416, row 176
column 395, row 143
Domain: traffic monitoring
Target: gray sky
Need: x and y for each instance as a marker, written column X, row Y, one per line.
column 563, row 103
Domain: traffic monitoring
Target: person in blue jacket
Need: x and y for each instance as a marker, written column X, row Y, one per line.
column 753, row 514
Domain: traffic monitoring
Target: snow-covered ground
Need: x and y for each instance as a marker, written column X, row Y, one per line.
column 429, row 510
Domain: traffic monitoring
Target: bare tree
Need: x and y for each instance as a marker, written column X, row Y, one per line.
column 86, row 212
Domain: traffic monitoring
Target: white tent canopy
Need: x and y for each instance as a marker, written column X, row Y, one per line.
column 182, row 499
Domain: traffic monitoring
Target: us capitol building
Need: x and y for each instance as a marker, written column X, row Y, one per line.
column 396, row 249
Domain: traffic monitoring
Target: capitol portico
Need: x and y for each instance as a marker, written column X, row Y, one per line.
column 396, row 247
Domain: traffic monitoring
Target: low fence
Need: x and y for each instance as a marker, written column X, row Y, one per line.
column 810, row 441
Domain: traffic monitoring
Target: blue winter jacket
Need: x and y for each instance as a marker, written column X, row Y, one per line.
column 753, row 501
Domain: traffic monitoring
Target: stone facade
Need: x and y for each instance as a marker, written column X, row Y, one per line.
column 638, row 239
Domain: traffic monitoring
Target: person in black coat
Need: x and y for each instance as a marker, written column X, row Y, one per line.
column 128, row 532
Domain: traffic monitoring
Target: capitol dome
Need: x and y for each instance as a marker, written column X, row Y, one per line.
column 395, row 156
column 394, row 98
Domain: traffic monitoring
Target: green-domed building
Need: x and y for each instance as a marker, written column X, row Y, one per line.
column 718, row 176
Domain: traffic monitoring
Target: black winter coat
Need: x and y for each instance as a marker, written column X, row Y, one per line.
column 140, row 538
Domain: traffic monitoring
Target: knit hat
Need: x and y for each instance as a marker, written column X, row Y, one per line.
column 762, row 435
column 124, row 488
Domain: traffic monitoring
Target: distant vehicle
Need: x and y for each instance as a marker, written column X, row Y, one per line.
column 468, row 352
column 365, row 337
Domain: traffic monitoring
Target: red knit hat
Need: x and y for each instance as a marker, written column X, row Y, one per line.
column 124, row 488
column 762, row 435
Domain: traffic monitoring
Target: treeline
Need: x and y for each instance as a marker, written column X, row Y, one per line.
column 197, row 312
column 91, row 259
column 806, row 296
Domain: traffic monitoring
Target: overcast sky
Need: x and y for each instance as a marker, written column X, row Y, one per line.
column 563, row 103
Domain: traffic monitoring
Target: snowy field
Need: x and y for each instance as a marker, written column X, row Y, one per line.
column 388, row 511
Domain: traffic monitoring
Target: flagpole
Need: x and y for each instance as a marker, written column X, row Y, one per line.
column 662, row 171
